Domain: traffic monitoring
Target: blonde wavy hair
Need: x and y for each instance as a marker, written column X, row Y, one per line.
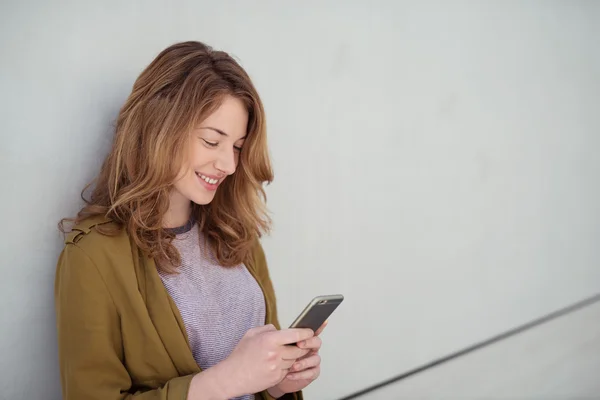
column 184, row 84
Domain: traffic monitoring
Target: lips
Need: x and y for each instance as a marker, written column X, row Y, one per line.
column 209, row 182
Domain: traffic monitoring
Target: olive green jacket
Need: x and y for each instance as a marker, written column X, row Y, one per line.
column 120, row 335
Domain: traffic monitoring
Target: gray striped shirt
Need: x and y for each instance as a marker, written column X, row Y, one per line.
column 218, row 305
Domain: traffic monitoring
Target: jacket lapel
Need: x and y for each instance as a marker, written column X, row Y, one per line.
column 252, row 267
column 165, row 316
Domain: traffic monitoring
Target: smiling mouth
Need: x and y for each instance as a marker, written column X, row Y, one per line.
column 210, row 181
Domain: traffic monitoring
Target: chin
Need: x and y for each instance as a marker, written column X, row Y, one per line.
column 203, row 200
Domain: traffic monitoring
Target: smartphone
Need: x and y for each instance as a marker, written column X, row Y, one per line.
column 317, row 312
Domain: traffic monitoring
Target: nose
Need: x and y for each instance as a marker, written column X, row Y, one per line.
column 226, row 160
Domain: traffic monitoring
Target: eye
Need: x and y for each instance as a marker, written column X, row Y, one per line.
column 237, row 148
column 210, row 144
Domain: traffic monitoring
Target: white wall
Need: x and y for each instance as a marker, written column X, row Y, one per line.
column 556, row 360
column 435, row 162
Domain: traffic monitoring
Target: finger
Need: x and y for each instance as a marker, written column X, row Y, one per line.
column 286, row 364
column 314, row 343
column 321, row 328
column 306, row 363
column 293, row 353
column 309, row 374
column 292, row 336
column 262, row 329
column 310, row 353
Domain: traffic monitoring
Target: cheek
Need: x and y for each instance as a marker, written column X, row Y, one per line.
column 182, row 172
column 199, row 156
column 186, row 176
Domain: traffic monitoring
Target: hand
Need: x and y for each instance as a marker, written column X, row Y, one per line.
column 305, row 370
column 261, row 359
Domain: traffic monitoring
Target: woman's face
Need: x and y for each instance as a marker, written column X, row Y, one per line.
column 213, row 153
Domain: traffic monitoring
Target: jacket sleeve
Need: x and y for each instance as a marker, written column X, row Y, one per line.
column 89, row 340
column 262, row 273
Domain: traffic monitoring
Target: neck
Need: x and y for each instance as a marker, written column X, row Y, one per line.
column 180, row 210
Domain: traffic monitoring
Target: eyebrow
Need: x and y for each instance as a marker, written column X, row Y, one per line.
column 220, row 132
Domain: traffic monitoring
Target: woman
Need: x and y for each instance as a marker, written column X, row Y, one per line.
column 162, row 288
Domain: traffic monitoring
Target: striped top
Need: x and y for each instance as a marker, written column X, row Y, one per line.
column 218, row 305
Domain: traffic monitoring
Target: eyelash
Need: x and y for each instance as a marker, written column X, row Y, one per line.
column 215, row 144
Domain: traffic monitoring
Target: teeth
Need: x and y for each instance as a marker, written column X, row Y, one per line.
column 209, row 180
